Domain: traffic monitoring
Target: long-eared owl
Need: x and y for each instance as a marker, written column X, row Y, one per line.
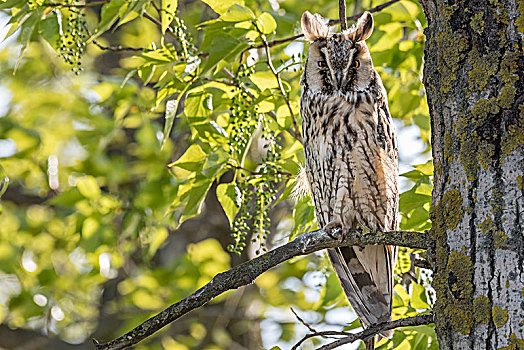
column 351, row 158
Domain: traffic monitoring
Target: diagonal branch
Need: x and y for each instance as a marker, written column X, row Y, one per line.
column 373, row 330
column 246, row 273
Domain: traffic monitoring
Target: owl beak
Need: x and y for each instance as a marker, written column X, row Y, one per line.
column 339, row 79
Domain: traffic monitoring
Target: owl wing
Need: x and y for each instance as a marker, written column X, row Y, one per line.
column 366, row 273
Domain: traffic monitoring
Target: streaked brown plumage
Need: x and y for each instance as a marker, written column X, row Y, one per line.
column 351, row 158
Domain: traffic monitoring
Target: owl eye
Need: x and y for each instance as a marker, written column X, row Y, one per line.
column 321, row 64
column 355, row 64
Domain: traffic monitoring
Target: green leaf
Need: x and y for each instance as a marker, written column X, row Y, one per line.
column 418, row 297
column 222, row 46
column 268, row 24
column 401, row 292
column 49, row 29
column 110, row 14
column 237, row 13
column 229, row 197
column 410, row 200
column 303, row 216
column 192, row 159
column 165, row 54
column 426, row 168
column 88, row 187
column 403, row 262
column 18, row 19
column 264, row 80
column 171, row 109
column 194, row 109
column 6, row 4
column 134, row 9
column 424, row 188
column 215, row 162
column 168, row 13
column 196, row 197
column 210, row 132
column 25, row 35
column 221, row 6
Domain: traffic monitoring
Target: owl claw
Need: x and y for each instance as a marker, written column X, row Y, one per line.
column 335, row 230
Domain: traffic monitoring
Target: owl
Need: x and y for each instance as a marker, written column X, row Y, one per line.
column 351, row 159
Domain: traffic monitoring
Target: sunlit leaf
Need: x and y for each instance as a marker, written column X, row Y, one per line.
column 110, row 14
column 192, row 159
column 228, row 196
column 418, row 297
column 221, row 6
column 268, row 24
column 238, row 13
column 168, row 12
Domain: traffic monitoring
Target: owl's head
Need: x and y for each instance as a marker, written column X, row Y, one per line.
column 337, row 61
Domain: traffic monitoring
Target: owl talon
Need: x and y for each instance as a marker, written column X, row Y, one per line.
column 333, row 230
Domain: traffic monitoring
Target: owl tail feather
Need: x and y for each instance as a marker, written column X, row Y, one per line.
column 366, row 277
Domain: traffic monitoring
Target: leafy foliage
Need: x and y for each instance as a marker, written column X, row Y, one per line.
column 177, row 105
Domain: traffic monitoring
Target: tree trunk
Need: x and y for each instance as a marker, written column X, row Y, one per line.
column 474, row 78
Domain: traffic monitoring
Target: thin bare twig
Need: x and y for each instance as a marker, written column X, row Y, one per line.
column 87, row 4
column 112, row 48
column 230, row 83
column 251, row 172
column 246, row 273
column 282, row 91
column 311, row 329
column 373, row 330
column 342, row 15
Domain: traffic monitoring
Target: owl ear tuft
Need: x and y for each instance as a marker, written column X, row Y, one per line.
column 314, row 26
column 364, row 27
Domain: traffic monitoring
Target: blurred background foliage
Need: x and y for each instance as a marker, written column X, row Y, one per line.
column 146, row 146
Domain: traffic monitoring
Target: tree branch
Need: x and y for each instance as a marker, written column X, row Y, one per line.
column 246, row 273
column 371, row 331
column 111, row 48
column 87, row 4
column 342, row 15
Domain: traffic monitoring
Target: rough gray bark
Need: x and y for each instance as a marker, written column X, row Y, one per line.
column 474, row 78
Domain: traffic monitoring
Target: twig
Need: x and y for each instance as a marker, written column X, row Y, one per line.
column 112, row 48
column 330, row 23
column 373, row 330
column 282, row 91
column 246, row 273
column 252, row 172
column 88, row 4
column 230, row 83
column 311, row 329
column 342, row 15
